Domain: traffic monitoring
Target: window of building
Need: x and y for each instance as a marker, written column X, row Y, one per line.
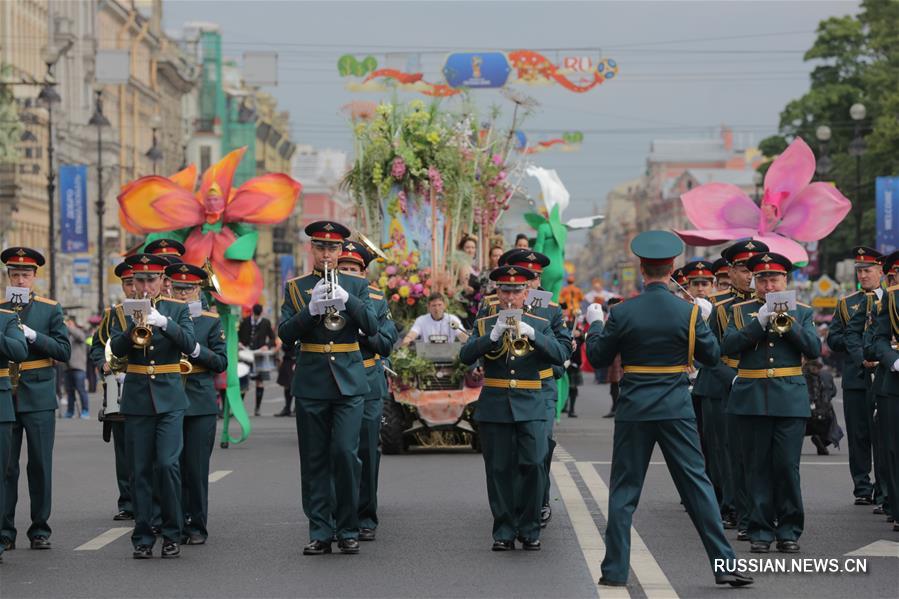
column 205, row 158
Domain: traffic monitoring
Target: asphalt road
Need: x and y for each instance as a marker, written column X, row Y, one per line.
column 434, row 539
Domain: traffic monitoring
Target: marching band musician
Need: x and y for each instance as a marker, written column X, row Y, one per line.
column 737, row 256
column 845, row 335
column 116, row 422
column 171, row 251
column 13, row 348
column 34, row 398
column 722, row 275
column 654, row 404
column 153, row 402
column 510, row 415
column 355, row 258
column 329, row 385
column 200, row 415
column 552, row 312
column 770, row 399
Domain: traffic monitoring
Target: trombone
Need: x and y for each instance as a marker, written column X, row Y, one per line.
column 332, row 318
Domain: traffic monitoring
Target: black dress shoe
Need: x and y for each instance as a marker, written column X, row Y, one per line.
column 611, row 583
column 609, row 415
column 193, row 539
column 864, row 501
column 735, row 579
column 546, row 514
column 142, row 552
column 170, row 549
column 366, row 534
column 8, row 544
column 317, row 548
column 895, row 527
column 124, row 515
column 572, row 415
column 40, row 542
column 760, row 547
column 530, row 544
column 728, row 524
column 503, row 545
column 742, row 535
column 156, row 530
column 348, row 546
column 878, row 510
column 788, row 546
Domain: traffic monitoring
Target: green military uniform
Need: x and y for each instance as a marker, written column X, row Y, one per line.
column 13, row 348
column 35, row 405
column 329, row 385
column 199, row 423
column 770, row 400
column 115, row 422
column 154, row 402
column 657, row 336
column 511, row 414
column 845, row 335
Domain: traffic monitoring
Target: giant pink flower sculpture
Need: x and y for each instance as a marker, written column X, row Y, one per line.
column 793, row 209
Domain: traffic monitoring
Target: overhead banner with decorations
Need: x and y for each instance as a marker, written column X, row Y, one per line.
column 575, row 71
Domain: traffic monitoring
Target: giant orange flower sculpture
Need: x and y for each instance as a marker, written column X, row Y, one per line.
column 216, row 222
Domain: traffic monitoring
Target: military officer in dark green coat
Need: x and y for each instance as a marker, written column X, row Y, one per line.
column 171, row 251
column 329, row 385
column 658, row 337
column 740, row 277
column 845, row 335
column 153, row 402
column 511, row 410
column 116, row 422
column 13, row 348
column 200, row 416
column 535, row 261
column 722, row 276
column 34, row 397
column 355, row 258
column 771, row 400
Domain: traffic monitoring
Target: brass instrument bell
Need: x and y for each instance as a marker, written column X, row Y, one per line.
column 333, row 320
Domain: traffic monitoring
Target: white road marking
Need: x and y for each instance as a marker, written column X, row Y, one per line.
column 653, row 580
column 561, row 455
column 881, row 548
column 218, row 475
column 104, row 539
column 588, row 536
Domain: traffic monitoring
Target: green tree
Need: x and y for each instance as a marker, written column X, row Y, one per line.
column 857, row 61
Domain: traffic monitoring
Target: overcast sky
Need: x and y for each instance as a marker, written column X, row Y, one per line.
column 685, row 67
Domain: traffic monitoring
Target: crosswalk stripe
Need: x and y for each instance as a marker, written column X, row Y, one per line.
column 218, row 475
column 104, row 539
column 588, row 536
column 653, row 580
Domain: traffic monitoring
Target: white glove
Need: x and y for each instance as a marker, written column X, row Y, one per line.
column 705, row 307
column 764, row 316
column 196, row 352
column 567, row 363
column 156, row 319
column 594, row 313
column 498, row 330
column 341, row 293
column 319, row 291
column 315, row 307
column 526, row 330
column 895, row 366
column 30, row 334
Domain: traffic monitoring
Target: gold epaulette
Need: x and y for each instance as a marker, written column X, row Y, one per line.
column 210, row 314
column 893, row 288
column 375, row 296
column 2, row 311
column 374, row 287
column 45, row 300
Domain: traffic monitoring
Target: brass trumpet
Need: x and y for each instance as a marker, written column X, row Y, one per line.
column 141, row 334
column 781, row 323
column 519, row 346
column 332, row 319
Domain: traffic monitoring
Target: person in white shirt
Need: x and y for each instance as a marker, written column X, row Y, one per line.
column 436, row 326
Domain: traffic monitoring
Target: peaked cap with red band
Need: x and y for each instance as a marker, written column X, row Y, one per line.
column 123, row 271
column 720, row 267
column 742, row 251
column 353, row 251
column 698, row 269
column 327, row 231
column 147, row 264
column 185, row 274
column 525, row 258
column 769, row 263
column 513, row 276
column 164, row 247
column 891, row 263
column 22, row 257
column 865, row 256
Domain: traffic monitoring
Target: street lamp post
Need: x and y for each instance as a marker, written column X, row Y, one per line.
column 99, row 120
column 155, row 153
column 857, row 148
column 48, row 96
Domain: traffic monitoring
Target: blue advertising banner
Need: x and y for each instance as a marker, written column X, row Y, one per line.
column 476, row 69
column 81, row 271
column 287, row 269
column 73, row 208
column 887, row 194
